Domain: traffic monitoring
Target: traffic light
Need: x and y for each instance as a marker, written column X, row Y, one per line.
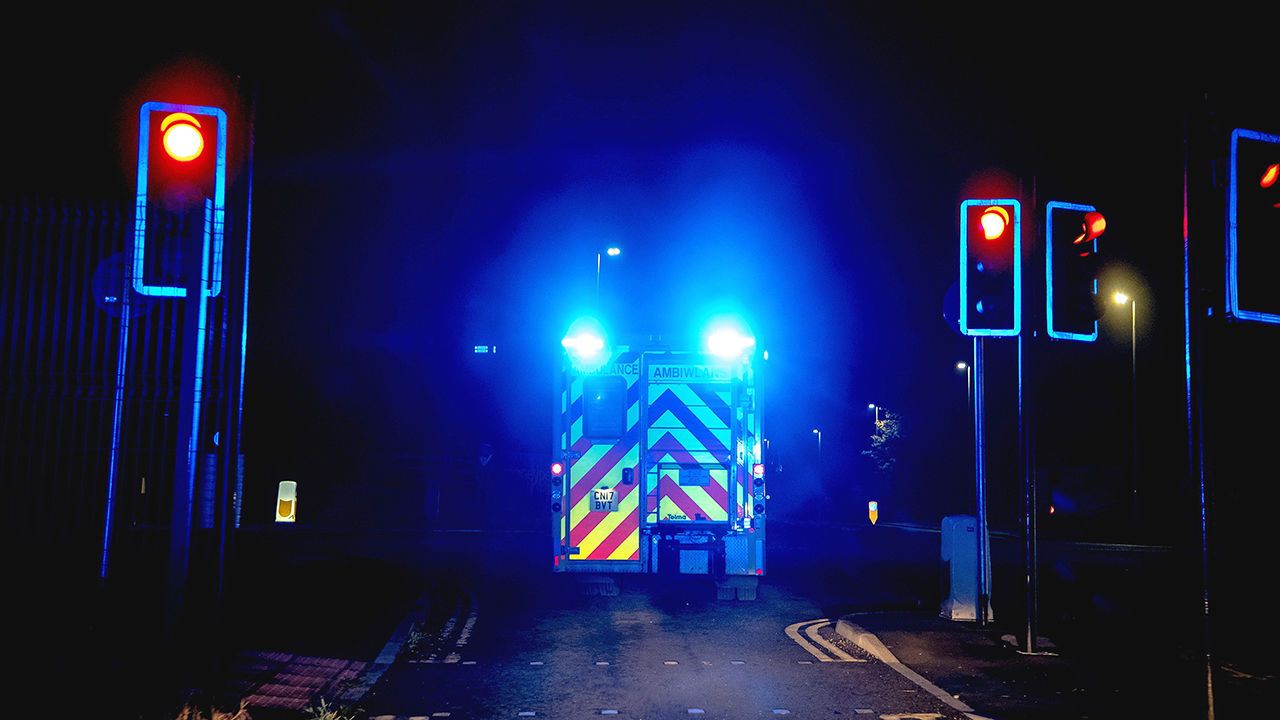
column 1253, row 227
column 1072, row 305
column 991, row 267
column 182, row 177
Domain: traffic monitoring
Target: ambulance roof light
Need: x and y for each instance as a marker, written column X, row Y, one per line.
column 584, row 344
column 729, row 343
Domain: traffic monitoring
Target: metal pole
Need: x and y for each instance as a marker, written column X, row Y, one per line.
column 1133, row 384
column 1195, row 421
column 190, row 407
column 979, row 465
column 1027, row 450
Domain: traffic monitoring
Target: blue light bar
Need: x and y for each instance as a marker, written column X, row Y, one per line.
column 1048, row 272
column 1017, row 269
column 1233, row 250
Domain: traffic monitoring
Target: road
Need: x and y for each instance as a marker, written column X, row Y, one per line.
column 497, row 635
column 510, row 648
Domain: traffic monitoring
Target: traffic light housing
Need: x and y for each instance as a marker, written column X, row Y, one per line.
column 991, row 267
column 1072, row 304
column 182, row 173
column 1253, row 227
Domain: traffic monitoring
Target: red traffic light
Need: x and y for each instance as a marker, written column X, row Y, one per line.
column 994, row 220
column 1092, row 228
column 757, row 470
column 1269, row 177
column 181, row 137
column 557, row 469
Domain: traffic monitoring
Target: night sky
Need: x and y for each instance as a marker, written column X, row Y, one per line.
column 434, row 176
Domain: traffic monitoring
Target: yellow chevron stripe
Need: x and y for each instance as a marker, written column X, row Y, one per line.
column 627, row 547
column 598, row 534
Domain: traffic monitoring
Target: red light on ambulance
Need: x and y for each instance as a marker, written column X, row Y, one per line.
column 557, row 469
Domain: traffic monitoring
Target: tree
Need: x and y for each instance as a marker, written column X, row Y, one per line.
column 884, row 443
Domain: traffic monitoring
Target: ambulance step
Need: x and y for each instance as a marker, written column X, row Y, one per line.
column 742, row 588
column 602, row 585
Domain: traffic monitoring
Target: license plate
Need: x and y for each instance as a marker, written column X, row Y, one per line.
column 603, row 500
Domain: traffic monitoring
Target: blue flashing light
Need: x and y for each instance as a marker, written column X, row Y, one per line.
column 1016, row 325
column 1050, row 212
column 1233, row 210
column 482, row 349
column 584, row 345
column 215, row 211
column 587, row 345
column 729, row 343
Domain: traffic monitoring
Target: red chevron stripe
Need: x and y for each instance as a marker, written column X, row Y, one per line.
column 717, row 492
column 624, row 530
column 588, row 479
column 678, row 496
column 579, row 532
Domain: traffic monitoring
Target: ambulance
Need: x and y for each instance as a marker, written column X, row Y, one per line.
column 657, row 465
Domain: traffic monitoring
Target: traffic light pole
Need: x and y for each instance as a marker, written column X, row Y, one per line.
column 1193, row 331
column 1027, row 448
column 980, row 478
column 190, row 406
column 1027, row 457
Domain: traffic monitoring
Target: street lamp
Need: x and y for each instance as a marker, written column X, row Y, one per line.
column 873, row 406
column 1124, row 299
column 968, row 381
column 612, row 251
column 818, row 432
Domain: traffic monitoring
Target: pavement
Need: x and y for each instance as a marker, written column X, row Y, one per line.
column 1083, row 676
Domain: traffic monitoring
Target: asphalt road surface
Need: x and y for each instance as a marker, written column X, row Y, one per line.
column 521, row 643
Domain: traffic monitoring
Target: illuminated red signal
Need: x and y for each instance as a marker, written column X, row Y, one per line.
column 1091, row 229
column 181, row 137
column 994, row 220
column 1269, row 177
column 757, row 470
column 1094, row 225
column 557, row 469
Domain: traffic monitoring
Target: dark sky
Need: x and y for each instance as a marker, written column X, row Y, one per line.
column 432, row 176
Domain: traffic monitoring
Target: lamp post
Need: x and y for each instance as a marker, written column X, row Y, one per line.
column 876, row 408
column 968, row 382
column 611, row 252
column 1124, row 299
column 818, row 432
